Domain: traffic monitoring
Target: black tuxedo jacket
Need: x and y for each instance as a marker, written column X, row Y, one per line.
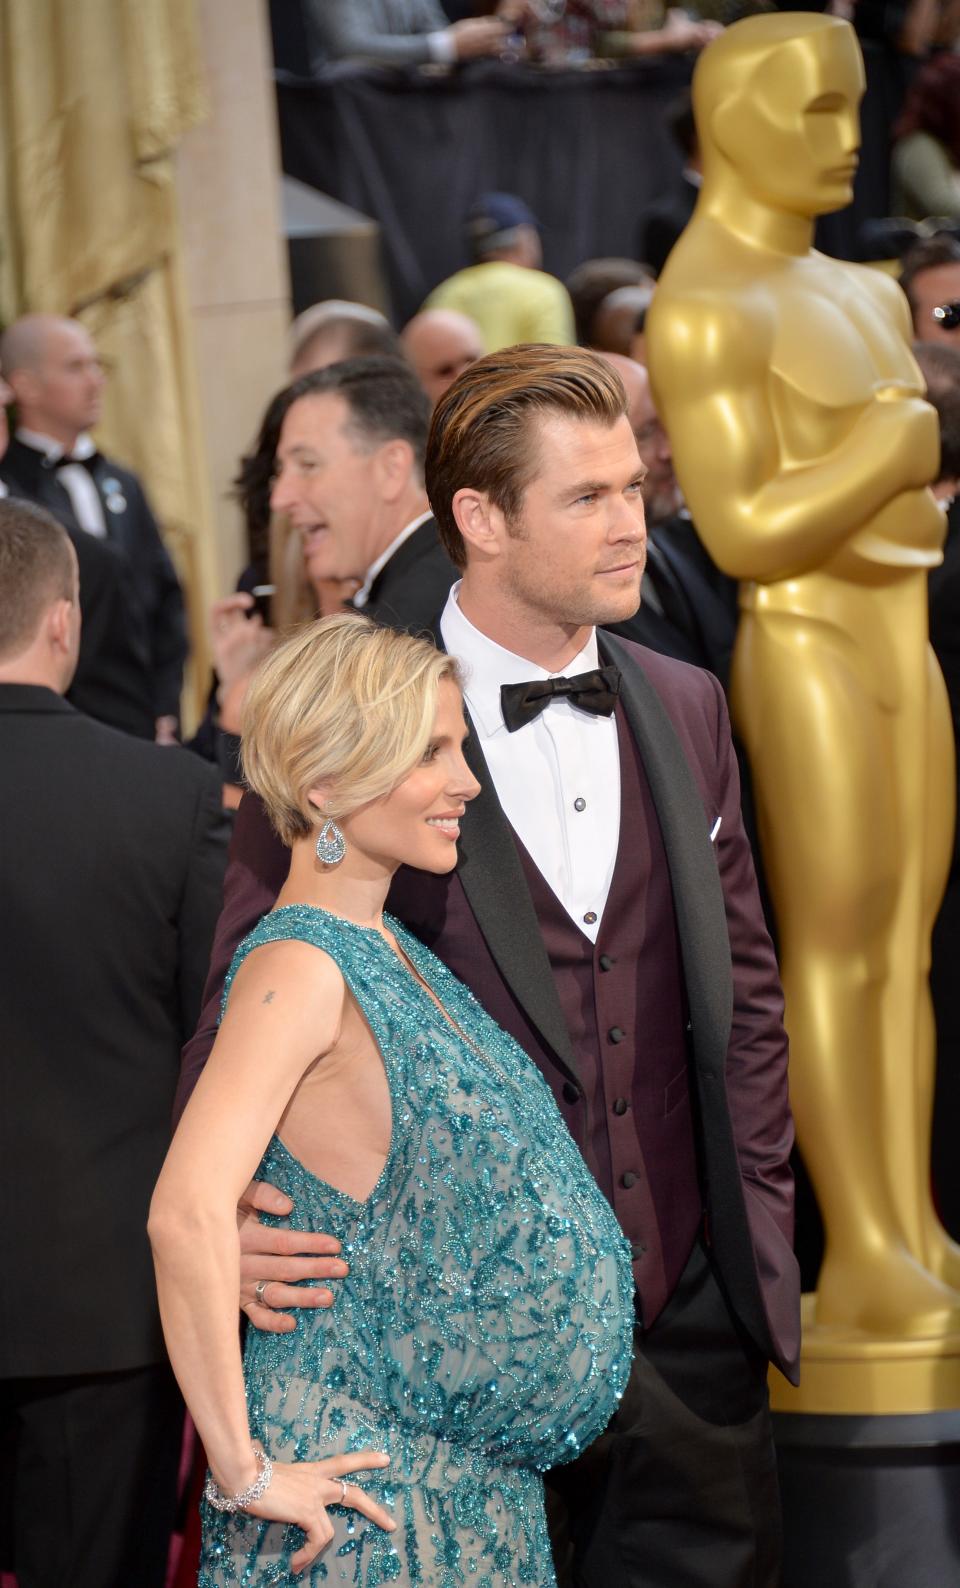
column 412, row 587
column 693, row 613
column 663, row 220
column 132, row 530
column 111, row 873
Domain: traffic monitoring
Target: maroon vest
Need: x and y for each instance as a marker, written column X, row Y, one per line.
column 625, row 1006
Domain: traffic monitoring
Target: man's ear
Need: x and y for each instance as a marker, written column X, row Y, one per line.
column 59, row 627
column 480, row 521
column 25, row 385
column 393, row 464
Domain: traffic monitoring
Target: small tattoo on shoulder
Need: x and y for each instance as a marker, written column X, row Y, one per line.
column 271, row 995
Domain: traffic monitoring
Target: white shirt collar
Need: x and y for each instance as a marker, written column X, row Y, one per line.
column 363, row 594
column 487, row 665
column 51, row 449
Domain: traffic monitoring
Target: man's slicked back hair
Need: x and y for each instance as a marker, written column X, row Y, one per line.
column 482, row 436
column 36, row 568
column 385, row 399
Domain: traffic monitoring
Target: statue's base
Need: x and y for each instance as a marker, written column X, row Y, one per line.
column 846, row 1372
column 869, row 1455
column 870, row 1502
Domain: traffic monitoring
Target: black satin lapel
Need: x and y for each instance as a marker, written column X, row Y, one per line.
column 496, row 889
column 697, row 893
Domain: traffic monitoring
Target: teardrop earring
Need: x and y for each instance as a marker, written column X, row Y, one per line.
column 331, row 845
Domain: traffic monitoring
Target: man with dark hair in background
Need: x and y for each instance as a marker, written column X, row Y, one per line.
column 111, row 872
column 663, row 220
column 930, row 277
column 56, row 376
column 592, row 282
column 349, row 477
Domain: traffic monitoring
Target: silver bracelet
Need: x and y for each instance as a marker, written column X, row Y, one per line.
column 215, row 1496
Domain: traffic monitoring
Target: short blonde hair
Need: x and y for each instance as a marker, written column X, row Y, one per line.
column 343, row 704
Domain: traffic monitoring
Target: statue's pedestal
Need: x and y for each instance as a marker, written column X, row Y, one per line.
column 870, row 1502
column 869, row 1456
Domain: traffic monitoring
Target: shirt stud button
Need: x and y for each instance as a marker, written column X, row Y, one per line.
column 579, row 803
column 590, row 918
column 620, row 1105
column 616, row 1034
column 627, row 1180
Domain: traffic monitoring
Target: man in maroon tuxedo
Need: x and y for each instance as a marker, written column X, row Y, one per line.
column 604, row 910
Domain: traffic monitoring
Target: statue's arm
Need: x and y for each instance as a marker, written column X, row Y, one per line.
column 760, row 518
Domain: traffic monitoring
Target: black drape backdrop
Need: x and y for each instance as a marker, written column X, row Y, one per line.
column 586, row 148
column 586, row 151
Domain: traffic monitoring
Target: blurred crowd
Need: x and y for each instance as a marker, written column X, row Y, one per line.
column 93, row 644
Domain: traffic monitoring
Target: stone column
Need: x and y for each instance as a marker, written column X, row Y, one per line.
column 235, row 258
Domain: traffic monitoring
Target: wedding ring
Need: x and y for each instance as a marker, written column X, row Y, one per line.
column 259, row 1289
column 343, row 1491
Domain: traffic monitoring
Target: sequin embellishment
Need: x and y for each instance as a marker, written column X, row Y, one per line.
column 484, row 1332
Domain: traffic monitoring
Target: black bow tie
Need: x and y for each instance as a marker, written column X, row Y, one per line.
column 85, row 463
column 595, row 692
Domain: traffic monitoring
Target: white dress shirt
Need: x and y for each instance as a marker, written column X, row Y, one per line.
column 75, row 479
column 557, row 777
column 363, row 594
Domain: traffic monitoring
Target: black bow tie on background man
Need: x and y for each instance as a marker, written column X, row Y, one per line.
column 595, row 692
column 68, row 461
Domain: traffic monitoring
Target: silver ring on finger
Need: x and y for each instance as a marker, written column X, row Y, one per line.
column 258, row 1291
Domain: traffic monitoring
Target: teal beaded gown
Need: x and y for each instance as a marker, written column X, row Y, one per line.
column 484, row 1332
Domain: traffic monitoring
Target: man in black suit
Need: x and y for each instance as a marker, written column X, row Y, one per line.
column 111, row 873
column 689, row 608
column 112, row 679
column 349, row 477
column 57, row 380
column 663, row 220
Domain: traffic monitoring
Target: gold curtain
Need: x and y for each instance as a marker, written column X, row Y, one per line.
column 94, row 97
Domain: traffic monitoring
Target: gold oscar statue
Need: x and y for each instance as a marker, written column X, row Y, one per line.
column 805, row 448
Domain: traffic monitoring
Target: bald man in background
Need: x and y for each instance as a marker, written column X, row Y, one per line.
column 440, row 344
column 335, row 329
column 57, row 380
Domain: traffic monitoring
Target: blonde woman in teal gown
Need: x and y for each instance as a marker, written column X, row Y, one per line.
column 484, row 1331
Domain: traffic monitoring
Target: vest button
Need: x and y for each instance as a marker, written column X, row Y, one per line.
column 616, row 1034
column 571, row 1093
column 627, row 1180
column 605, row 962
column 620, row 1106
column 638, row 1249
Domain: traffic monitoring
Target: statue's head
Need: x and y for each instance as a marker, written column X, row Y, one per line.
column 776, row 100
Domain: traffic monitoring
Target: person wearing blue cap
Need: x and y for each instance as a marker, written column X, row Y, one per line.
column 504, row 291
